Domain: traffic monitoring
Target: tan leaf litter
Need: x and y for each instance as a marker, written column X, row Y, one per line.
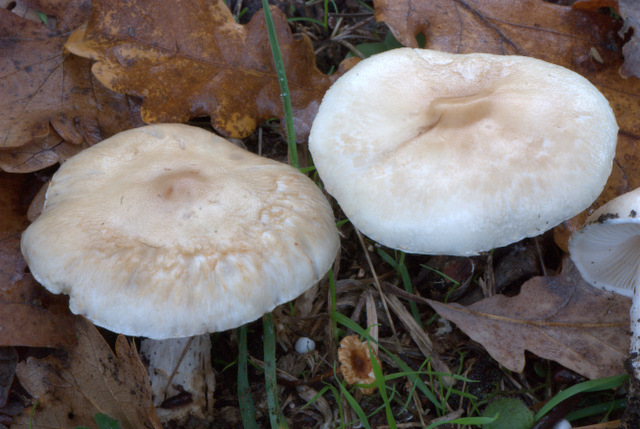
column 91, row 379
column 558, row 318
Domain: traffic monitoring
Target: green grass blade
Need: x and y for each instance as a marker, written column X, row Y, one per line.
column 478, row 421
column 598, row 409
column 43, row 17
column 408, row 286
column 355, row 406
column 247, row 409
column 284, row 85
column 315, row 21
column 380, row 382
column 387, row 258
column 587, row 386
column 269, row 340
column 105, row 422
column 401, row 269
column 336, row 395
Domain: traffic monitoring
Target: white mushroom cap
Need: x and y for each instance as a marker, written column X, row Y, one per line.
column 437, row 153
column 170, row 231
column 606, row 250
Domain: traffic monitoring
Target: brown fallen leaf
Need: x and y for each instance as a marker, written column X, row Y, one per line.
column 29, row 314
column 534, row 28
column 71, row 389
column 8, row 362
column 15, row 192
column 34, row 317
column 52, row 106
column 195, row 60
column 559, row 318
column 68, row 14
column 38, row 153
column 585, row 42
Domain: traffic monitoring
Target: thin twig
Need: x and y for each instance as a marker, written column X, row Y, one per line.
column 376, row 281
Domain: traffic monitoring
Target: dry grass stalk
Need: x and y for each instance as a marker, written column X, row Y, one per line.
column 419, row 335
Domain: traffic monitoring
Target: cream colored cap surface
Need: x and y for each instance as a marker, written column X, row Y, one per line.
column 437, row 153
column 171, row 231
column 606, row 250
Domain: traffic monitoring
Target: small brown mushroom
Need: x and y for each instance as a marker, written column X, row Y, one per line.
column 355, row 362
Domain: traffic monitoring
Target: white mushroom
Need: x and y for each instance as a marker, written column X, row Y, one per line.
column 606, row 251
column 438, row 153
column 170, row 231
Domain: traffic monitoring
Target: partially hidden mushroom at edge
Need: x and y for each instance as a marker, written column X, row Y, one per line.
column 606, row 251
column 170, row 231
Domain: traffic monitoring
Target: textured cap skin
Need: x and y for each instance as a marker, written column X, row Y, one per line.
column 606, row 250
column 171, row 231
column 437, row 153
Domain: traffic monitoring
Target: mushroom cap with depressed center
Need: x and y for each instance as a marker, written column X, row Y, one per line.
column 438, row 153
column 171, row 231
column 606, row 250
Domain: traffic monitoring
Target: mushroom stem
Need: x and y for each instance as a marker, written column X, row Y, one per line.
column 631, row 414
column 634, row 313
column 181, row 375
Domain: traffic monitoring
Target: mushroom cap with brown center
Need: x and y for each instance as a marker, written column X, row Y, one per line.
column 355, row 362
column 438, row 153
column 171, row 231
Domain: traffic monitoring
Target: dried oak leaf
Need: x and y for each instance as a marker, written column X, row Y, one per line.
column 30, row 315
column 194, row 60
column 52, row 106
column 91, row 379
column 585, row 42
column 559, row 318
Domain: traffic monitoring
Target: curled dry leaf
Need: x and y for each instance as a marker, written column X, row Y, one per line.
column 52, row 106
column 355, row 362
column 630, row 11
column 559, row 318
column 194, row 60
column 91, row 379
column 585, row 42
